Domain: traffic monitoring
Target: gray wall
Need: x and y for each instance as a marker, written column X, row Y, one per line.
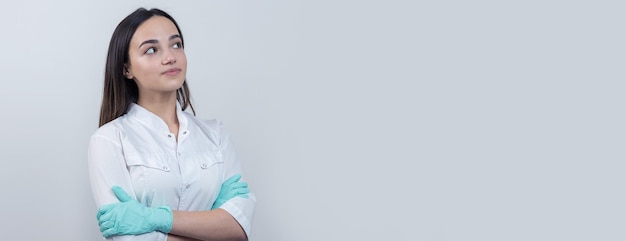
column 355, row 120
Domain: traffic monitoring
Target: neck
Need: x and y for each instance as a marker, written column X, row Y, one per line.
column 164, row 106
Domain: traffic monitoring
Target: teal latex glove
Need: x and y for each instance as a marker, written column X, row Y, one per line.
column 129, row 217
column 231, row 188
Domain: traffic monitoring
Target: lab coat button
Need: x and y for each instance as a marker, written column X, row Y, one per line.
column 165, row 168
column 204, row 165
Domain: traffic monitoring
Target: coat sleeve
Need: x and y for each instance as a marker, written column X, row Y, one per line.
column 242, row 209
column 107, row 167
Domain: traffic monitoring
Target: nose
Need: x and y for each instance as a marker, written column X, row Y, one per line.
column 169, row 58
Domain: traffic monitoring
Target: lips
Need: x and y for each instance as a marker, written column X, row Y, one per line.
column 172, row 71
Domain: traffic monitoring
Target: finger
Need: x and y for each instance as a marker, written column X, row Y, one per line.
column 242, row 190
column 109, row 232
column 236, row 192
column 104, row 218
column 233, row 179
column 239, row 185
column 230, row 188
column 121, row 194
column 99, row 214
column 230, row 194
column 106, row 226
column 103, row 210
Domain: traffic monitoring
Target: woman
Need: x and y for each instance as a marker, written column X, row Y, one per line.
column 181, row 173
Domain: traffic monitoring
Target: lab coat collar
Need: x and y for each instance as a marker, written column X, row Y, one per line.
column 148, row 118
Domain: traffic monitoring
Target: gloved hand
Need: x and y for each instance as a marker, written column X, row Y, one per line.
column 129, row 217
column 231, row 188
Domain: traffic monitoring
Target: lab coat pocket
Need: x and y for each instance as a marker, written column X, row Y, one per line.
column 148, row 170
column 209, row 160
column 152, row 161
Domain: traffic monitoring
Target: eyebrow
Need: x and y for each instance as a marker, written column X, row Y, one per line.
column 154, row 41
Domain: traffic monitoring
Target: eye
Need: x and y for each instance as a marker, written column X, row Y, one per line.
column 150, row 50
column 177, row 45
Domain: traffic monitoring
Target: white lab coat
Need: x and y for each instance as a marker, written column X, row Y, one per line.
column 138, row 153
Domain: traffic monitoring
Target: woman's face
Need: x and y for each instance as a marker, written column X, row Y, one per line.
column 156, row 59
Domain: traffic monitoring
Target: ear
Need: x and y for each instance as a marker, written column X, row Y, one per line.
column 127, row 73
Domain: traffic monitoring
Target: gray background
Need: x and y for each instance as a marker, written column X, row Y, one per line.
column 355, row 120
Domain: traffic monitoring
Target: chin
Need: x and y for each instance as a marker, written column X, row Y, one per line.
column 175, row 83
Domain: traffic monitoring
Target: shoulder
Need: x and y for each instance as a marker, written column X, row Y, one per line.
column 213, row 125
column 110, row 131
column 213, row 128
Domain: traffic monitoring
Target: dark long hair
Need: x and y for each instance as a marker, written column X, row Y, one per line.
column 120, row 92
